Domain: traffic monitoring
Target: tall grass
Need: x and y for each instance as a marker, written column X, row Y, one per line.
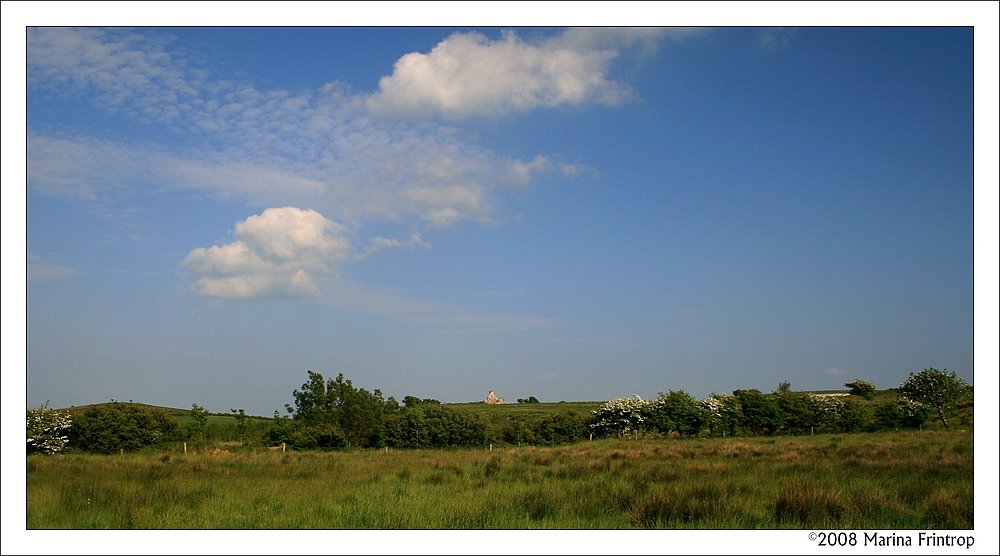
column 879, row 480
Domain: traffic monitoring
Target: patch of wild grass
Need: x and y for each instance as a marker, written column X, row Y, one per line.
column 883, row 480
column 803, row 504
column 947, row 509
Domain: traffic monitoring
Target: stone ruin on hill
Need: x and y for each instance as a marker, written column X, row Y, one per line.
column 492, row 398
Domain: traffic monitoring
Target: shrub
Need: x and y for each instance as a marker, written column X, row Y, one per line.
column 47, row 430
column 619, row 417
column 676, row 411
column 560, row 428
column 433, row 426
column 321, row 435
column 118, row 426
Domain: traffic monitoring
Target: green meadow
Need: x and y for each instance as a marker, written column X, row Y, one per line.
column 879, row 480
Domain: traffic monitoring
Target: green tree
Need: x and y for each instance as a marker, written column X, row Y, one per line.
column 937, row 389
column 108, row 428
column 861, row 388
column 280, row 430
column 676, row 411
column 853, row 415
column 241, row 423
column 199, row 422
column 723, row 412
column 356, row 413
column 390, row 406
column 760, row 412
column 48, row 430
column 312, row 404
column 796, row 412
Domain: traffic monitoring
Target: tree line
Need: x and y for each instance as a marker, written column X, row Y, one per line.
column 335, row 414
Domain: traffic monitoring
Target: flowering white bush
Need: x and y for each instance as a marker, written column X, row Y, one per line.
column 714, row 405
column 724, row 412
column 911, row 412
column 620, row 416
column 47, row 430
column 826, row 405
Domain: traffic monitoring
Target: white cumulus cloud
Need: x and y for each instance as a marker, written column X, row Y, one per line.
column 276, row 254
column 469, row 74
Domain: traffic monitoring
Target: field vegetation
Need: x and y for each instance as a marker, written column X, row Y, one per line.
column 899, row 480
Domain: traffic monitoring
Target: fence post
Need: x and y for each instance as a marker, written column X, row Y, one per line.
column 185, row 448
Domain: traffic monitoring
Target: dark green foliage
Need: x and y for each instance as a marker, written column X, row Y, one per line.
column 561, row 428
column 760, row 413
column 452, row 427
column 390, row 406
column 514, row 432
column 529, row 399
column 116, row 426
column 413, row 401
column 796, row 411
column 312, row 403
column 677, row 412
column 854, row 415
column 433, row 426
column 356, row 412
column 900, row 413
column 318, row 435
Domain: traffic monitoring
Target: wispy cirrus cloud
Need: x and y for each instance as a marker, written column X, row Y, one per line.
column 351, row 157
column 394, row 304
column 41, row 269
column 318, row 148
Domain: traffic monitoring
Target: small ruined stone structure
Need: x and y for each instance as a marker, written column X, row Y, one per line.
column 492, row 398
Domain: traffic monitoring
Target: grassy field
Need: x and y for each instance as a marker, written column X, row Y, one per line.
column 898, row 480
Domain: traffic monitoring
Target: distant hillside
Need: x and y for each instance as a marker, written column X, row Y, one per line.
column 182, row 415
column 81, row 408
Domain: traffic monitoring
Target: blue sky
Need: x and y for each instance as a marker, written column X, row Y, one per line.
column 571, row 214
